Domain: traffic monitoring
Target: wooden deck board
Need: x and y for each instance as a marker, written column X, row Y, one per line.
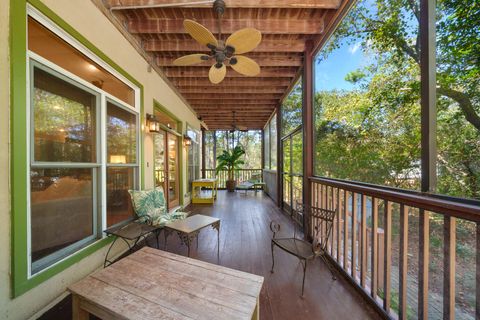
column 245, row 246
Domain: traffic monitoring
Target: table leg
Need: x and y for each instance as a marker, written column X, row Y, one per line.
column 256, row 312
column 77, row 312
column 187, row 239
column 166, row 233
column 216, row 226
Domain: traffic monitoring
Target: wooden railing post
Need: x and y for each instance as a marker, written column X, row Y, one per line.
column 387, row 256
column 424, row 234
column 354, row 236
column 363, row 243
column 449, row 250
column 381, row 259
column 375, row 249
column 402, row 312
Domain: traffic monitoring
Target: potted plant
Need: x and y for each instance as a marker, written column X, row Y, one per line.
column 230, row 161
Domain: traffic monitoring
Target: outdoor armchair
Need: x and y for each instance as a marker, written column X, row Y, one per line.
column 322, row 224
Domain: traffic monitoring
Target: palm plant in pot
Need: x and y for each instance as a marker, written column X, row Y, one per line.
column 230, row 161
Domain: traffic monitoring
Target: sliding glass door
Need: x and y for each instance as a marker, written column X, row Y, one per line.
column 166, row 164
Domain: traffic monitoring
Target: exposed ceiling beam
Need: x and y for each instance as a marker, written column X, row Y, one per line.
column 225, row 113
column 253, row 101
column 229, row 26
column 263, row 61
column 232, row 83
column 292, row 4
column 213, row 89
column 229, row 96
column 281, row 45
column 187, row 72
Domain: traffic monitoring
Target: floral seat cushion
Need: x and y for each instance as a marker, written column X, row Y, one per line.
column 150, row 207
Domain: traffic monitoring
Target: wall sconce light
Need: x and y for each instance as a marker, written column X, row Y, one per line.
column 187, row 141
column 153, row 124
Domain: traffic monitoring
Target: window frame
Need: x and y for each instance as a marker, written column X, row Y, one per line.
column 268, row 128
column 196, row 155
column 95, row 167
column 21, row 278
column 99, row 168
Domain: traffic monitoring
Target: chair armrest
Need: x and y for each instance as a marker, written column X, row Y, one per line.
column 274, row 227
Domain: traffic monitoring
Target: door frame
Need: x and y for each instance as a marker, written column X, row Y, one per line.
column 289, row 137
column 158, row 107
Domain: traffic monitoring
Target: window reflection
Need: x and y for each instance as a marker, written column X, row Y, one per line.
column 61, row 209
column 64, row 120
column 119, row 181
column 121, row 135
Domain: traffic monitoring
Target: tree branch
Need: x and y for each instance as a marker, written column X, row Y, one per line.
column 464, row 103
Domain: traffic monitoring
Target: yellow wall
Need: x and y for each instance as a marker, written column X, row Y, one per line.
column 91, row 23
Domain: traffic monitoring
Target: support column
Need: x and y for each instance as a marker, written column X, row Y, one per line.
column 203, row 153
column 279, row 157
column 428, row 95
column 263, row 150
column 307, row 119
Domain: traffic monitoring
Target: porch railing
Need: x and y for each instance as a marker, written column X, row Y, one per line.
column 404, row 249
column 240, row 175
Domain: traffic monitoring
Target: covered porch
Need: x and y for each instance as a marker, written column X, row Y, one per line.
column 368, row 109
column 245, row 246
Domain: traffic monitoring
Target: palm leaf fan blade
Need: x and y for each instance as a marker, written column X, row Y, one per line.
column 245, row 66
column 217, row 74
column 190, row 59
column 244, row 40
column 198, row 32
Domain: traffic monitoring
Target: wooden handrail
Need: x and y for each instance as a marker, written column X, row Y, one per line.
column 354, row 243
column 418, row 200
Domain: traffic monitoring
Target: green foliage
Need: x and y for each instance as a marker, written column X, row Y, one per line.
column 372, row 133
column 292, row 110
column 230, row 161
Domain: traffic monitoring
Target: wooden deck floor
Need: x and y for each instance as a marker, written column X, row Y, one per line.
column 245, row 245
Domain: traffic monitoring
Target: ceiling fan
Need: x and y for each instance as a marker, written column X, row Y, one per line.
column 235, row 127
column 222, row 53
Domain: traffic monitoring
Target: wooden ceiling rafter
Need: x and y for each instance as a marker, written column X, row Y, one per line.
column 288, row 4
column 286, row 26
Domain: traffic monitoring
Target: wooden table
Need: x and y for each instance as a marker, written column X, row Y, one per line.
column 198, row 196
column 154, row 284
column 189, row 228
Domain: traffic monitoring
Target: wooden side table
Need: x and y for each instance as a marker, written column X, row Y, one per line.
column 199, row 196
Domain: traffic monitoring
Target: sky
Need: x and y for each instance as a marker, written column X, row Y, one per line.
column 330, row 73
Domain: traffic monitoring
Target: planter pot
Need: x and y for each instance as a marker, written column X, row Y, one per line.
column 230, row 184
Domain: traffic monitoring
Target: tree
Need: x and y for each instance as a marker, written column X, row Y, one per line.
column 378, row 123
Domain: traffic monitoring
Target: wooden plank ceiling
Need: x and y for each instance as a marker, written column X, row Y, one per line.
column 285, row 25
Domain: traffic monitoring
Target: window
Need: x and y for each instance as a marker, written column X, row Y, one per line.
column 64, row 165
column 266, row 145
column 270, row 143
column 458, row 99
column 193, row 156
column 273, row 143
column 83, row 144
column 209, row 150
column 122, row 163
column 292, row 110
column 367, row 98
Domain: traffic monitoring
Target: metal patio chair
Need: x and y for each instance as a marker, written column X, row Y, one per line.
column 322, row 223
